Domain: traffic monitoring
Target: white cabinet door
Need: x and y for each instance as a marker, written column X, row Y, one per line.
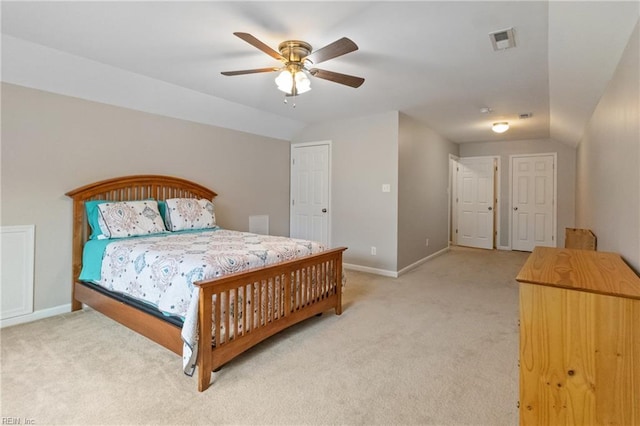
column 476, row 202
column 310, row 192
column 532, row 198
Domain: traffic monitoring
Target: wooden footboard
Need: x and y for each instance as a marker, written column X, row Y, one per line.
column 265, row 301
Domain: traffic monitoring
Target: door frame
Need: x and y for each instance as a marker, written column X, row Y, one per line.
column 554, row 227
column 452, row 190
column 329, row 178
column 453, row 194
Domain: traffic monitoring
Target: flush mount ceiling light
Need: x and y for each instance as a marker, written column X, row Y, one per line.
column 500, row 127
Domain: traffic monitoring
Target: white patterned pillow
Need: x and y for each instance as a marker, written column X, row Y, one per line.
column 130, row 218
column 189, row 213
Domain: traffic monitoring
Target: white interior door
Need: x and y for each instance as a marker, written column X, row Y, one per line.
column 310, row 186
column 475, row 202
column 533, row 189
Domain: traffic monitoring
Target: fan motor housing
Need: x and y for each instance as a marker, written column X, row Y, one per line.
column 294, row 50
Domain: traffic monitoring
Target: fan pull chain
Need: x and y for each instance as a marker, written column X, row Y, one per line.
column 286, row 102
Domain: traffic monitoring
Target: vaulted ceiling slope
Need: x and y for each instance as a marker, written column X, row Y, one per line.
column 431, row 60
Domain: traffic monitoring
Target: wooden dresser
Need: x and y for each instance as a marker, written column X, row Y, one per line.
column 579, row 339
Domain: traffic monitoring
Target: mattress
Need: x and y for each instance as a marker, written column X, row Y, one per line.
column 159, row 270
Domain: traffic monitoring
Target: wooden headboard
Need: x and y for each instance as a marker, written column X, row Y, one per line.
column 126, row 188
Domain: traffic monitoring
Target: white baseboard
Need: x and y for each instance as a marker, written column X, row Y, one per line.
column 393, row 274
column 508, row 248
column 421, row 261
column 37, row 315
column 370, row 270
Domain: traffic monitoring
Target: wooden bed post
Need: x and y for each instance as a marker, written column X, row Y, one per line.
column 76, row 251
column 339, row 286
column 205, row 325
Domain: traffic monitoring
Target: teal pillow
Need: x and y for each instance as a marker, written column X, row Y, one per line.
column 91, row 207
column 162, row 208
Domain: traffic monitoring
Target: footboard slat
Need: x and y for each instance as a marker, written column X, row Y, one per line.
column 217, row 314
column 288, row 302
column 225, row 313
column 285, row 293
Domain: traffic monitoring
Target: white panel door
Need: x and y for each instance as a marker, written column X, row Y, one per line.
column 476, row 202
column 532, row 198
column 310, row 192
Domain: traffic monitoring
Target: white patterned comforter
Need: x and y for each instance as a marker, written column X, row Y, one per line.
column 161, row 270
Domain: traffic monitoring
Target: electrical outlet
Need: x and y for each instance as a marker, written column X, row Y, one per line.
column 373, row 251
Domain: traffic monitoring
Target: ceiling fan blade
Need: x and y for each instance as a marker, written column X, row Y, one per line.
column 336, row 77
column 260, row 45
column 254, row 71
column 333, row 50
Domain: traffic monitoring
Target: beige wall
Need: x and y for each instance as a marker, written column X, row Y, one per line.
column 391, row 148
column 53, row 143
column 364, row 157
column 565, row 172
column 608, row 163
column 423, row 180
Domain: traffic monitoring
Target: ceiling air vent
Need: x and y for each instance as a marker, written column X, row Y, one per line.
column 525, row 115
column 502, row 39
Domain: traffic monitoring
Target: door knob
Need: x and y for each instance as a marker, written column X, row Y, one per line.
column 490, row 208
column 324, row 210
column 515, row 208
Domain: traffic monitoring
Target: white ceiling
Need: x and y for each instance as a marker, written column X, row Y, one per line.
column 430, row 60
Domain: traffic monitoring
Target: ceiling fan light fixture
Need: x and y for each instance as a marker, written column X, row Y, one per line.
column 500, row 127
column 303, row 84
column 293, row 82
column 293, row 78
column 284, row 81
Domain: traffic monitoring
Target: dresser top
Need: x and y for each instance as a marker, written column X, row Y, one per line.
column 584, row 270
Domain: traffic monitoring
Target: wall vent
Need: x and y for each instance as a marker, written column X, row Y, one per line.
column 503, row 39
column 16, row 277
column 259, row 224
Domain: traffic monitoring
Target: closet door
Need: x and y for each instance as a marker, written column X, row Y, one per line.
column 533, row 197
column 476, row 202
column 310, row 185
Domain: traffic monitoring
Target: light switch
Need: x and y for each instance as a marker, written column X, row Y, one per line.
column 386, row 187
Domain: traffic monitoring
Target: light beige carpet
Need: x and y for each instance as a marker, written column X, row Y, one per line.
column 437, row 346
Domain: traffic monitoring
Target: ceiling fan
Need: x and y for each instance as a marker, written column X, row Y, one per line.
column 296, row 56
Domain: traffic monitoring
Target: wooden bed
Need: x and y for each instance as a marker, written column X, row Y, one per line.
column 287, row 278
